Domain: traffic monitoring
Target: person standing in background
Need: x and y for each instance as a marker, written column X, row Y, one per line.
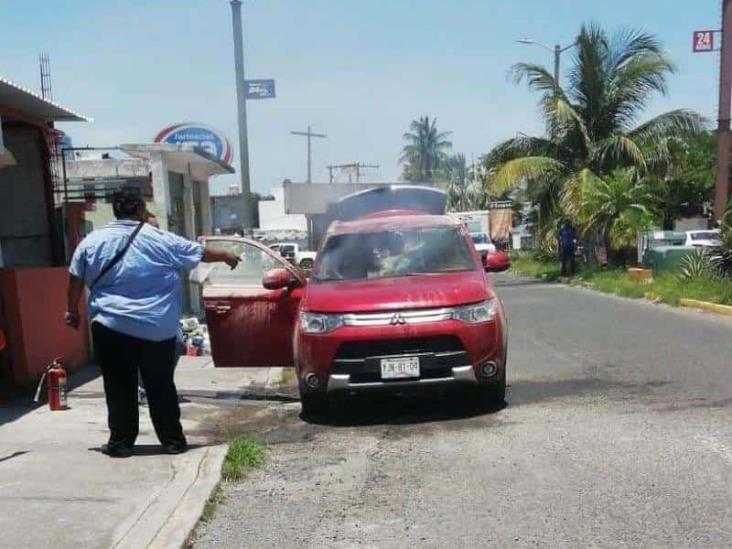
column 133, row 272
column 567, row 241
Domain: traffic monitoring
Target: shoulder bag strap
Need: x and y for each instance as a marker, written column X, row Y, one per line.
column 120, row 254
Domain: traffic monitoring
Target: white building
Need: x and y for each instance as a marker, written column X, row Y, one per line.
column 272, row 214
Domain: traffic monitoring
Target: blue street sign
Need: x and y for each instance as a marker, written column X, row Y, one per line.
column 260, row 89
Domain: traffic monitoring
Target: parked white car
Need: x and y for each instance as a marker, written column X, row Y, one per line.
column 292, row 252
column 711, row 238
column 483, row 243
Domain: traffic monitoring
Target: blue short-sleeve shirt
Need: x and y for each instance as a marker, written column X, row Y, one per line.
column 141, row 295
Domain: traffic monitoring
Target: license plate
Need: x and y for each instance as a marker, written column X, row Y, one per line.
column 400, row 368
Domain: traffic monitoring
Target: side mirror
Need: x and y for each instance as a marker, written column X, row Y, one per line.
column 497, row 262
column 276, row 279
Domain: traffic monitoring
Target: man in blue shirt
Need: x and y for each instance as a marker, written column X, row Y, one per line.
column 567, row 240
column 133, row 271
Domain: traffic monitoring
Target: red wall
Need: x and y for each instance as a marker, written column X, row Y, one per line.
column 34, row 301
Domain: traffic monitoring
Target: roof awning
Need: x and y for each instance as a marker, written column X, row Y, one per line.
column 187, row 154
column 19, row 98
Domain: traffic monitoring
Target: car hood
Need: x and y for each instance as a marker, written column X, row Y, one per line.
column 404, row 292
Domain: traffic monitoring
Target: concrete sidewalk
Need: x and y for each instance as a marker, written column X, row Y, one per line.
column 57, row 490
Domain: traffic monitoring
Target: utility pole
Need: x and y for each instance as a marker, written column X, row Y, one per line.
column 353, row 167
column 721, row 194
column 557, row 50
column 241, row 105
column 309, row 134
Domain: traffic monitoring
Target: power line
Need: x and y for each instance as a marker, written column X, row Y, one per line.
column 351, row 168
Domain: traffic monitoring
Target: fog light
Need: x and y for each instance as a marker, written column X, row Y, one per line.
column 488, row 369
column 312, row 380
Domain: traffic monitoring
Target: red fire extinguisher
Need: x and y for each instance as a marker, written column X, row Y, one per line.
column 56, row 385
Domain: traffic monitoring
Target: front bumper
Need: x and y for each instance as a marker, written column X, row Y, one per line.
column 450, row 352
column 459, row 374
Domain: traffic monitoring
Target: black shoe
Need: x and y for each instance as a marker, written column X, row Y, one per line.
column 116, row 450
column 176, row 448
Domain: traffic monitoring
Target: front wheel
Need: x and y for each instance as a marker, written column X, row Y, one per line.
column 307, row 264
column 493, row 394
column 313, row 404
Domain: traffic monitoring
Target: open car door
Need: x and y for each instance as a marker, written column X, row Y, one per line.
column 248, row 324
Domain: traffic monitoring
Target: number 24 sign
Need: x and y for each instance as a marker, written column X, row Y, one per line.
column 703, row 41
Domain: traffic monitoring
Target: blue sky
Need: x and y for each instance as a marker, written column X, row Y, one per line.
column 358, row 70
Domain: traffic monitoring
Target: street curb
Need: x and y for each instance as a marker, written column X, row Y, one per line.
column 725, row 310
column 181, row 523
column 169, row 519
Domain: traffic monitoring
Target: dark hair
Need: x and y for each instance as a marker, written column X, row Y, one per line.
column 127, row 202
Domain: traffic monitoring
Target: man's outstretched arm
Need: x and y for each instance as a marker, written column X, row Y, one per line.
column 211, row 255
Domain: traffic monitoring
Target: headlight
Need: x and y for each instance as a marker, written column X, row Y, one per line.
column 319, row 323
column 474, row 314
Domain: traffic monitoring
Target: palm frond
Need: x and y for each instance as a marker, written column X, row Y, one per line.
column 562, row 120
column 529, row 169
column 632, row 86
column 628, row 44
column 588, row 77
column 537, row 77
column 619, row 150
column 676, row 123
column 519, row 147
column 575, row 192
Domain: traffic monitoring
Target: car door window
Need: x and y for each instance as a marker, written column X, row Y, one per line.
column 254, row 263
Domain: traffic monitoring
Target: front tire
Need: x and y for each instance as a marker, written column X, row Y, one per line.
column 493, row 394
column 314, row 404
column 307, row 264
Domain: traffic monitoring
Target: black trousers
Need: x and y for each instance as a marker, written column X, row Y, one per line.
column 120, row 357
column 568, row 263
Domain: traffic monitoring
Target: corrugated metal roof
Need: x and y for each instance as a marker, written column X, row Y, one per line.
column 22, row 99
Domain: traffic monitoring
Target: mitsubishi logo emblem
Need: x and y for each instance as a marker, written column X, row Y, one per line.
column 397, row 320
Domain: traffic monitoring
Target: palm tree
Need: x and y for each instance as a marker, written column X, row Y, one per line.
column 425, row 153
column 592, row 125
column 456, row 169
column 616, row 207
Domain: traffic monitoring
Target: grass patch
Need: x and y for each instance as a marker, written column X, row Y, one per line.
column 528, row 265
column 209, row 510
column 244, row 454
column 668, row 287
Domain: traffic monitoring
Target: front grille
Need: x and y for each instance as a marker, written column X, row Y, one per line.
column 417, row 316
column 387, row 347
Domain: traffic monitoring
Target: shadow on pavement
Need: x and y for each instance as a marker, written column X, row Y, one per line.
column 13, row 455
column 524, row 392
column 151, row 449
column 377, row 408
column 16, row 401
column 521, row 282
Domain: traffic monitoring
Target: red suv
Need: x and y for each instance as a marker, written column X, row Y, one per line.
column 397, row 298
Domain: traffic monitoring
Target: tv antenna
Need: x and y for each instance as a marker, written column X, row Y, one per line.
column 45, row 64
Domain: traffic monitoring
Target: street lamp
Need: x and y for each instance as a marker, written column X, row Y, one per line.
column 557, row 50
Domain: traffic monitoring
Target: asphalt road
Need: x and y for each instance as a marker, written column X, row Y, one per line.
column 618, row 433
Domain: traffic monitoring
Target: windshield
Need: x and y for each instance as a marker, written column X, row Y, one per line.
column 706, row 235
column 479, row 238
column 360, row 256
